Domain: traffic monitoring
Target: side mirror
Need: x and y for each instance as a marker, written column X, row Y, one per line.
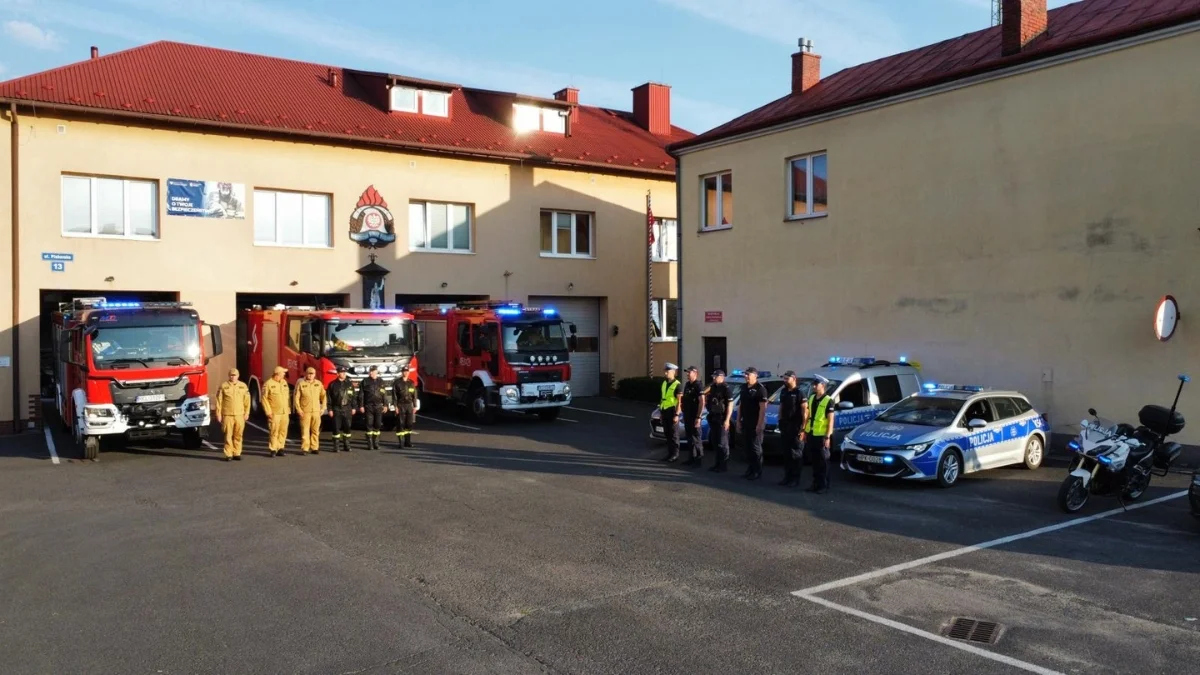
column 573, row 342
column 1092, row 412
column 214, row 339
column 418, row 337
column 976, row 424
column 846, row 405
column 573, row 329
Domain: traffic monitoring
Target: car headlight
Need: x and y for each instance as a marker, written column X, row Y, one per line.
column 849, row 444
column 919, row 449
column 194, row 406
column 566, row 390
column 359, row 370
column 1196, row 479
column 511, row 393
column 98, row 412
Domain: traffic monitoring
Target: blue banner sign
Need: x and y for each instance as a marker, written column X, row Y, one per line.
column 67, row 257
column 205, row 199
column 58, row 267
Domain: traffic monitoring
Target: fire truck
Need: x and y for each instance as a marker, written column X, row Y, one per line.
column 496, row 357
column 326, row 338
column 132, row 370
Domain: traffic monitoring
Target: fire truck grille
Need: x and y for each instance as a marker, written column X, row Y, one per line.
column 148, row 399
column 533, row 377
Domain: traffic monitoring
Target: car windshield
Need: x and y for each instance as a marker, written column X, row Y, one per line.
column 926, row 411
column 368, row 338
column 173, row 344
column 534, row 336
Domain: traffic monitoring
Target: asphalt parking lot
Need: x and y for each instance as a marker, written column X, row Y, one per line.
column 566, row 548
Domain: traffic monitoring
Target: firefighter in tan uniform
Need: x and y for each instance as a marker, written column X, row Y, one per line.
column 275, row 404
column 309, row 404
column 233, row 409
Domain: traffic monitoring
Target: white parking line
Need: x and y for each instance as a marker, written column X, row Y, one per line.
column 50, row 445
column 601, row 412
column 563, row 419
column 210, row 446
column 264, row 430
column 848, row 581
column 450, row 424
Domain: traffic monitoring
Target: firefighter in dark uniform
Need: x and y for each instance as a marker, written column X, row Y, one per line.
column 693, row 403
column 668, row 410
column 791, row 419
column 752, row 420
column 342, row 399
column 818, row 430
column 720, row 408
column 374, row 400
column 404, row 393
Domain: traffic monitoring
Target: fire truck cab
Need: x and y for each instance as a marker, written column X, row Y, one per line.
column 132, row 370
column 326, row 338
column 497, row 357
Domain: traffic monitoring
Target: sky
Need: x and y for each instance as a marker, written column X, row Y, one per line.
column 721, row 57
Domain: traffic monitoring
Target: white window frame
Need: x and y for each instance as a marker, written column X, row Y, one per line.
column 278, row 243
column 449, row 236
column 791, row 187
column 419, row 96
column 550, row 120
column 554, row 235
column 666, row 240
column 720, row 176
column 660, row 309
column 425, row 94
column 416, row 106
column 93, row 207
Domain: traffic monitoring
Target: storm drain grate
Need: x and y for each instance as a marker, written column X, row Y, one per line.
column 974, row 630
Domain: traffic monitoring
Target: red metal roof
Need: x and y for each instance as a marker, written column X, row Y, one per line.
column 174, row 83
column 1072, row 27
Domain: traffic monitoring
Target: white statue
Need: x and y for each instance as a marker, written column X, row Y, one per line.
column 377, row 296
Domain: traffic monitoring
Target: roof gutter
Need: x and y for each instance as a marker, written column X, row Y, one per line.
column 1007, row 68
column 336, row 139
column 15, row 225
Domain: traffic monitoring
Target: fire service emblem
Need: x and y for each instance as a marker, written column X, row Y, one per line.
column 371, row 224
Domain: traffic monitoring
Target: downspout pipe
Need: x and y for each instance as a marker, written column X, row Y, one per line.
column 679, row 254
column 16, row 266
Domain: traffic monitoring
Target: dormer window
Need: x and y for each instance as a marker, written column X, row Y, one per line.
column 423, row 101
column 535, row 118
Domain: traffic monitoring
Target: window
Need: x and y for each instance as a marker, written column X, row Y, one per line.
column 888, row 389
column 717, row 209
column 979, row 410
column 553, row 121
column 1022, row 406
column 808, row 194
column 666, row 240
column 295, row 328
column 664, row 320
column 424, row 101
column 567, row 234
column 291, row 219
column 109, row 207
column 855, row 392
column 534, row 118
column 1005, row 408
column 435, row 226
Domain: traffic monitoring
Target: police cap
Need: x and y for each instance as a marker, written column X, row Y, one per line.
column 692, row 369
column 821, row 378
column 670, row 366
column 343, row 369
column 718, row 373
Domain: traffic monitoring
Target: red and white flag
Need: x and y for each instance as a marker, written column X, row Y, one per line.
column 649, row 219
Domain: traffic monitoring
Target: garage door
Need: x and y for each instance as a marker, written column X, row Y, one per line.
column 585, row 362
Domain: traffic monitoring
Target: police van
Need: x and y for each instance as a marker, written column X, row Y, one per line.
column 862, row 388
column 946, row 431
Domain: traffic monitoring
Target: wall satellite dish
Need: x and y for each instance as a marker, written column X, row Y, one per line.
column 1166, row 318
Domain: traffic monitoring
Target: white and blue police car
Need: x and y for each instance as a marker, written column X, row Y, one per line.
column 946, row 431
column 736, row 381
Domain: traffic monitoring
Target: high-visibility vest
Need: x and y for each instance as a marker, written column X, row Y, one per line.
column 818, row 419
column 668, row 394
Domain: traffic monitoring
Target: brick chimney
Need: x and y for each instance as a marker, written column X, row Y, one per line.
column 570, row 95
column 652, row 108
column 806, row 68
column 95, row 52
column 1020, row 22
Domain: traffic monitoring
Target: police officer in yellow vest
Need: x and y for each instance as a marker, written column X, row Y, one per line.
column 668, row 409
column 818, row 430
column 309, row 404
column 233, row 409
column 277, row 406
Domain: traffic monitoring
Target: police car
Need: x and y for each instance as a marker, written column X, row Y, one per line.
column 862, row 387
column 946, row 431
column 736, row 381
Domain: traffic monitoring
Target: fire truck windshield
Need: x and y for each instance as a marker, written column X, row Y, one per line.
column 145, row 345
column 534, row 336
column 368, row 339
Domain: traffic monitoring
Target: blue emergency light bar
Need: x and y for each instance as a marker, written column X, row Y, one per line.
column 120, row 305
column 508, row 311
column 742, row 373
column 851, row 361
column 549, row 311
column 934, row 386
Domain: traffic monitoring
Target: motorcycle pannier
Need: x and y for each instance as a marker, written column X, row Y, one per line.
column 1166, row 454
column 1159, row 420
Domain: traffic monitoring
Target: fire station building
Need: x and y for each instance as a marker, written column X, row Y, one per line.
column 178, row 172
column 1009, row 207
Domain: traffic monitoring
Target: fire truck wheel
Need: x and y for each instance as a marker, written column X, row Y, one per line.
column 255, row 402
column 548, row 415
column 480, row 410
column 192, row 439
column 91, row 447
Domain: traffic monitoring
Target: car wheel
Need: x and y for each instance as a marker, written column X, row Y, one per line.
column 1072, row 494
column 949, row 468
column 1035, row 453
column 1137, row 487
column 481, row 412
column 91, row 447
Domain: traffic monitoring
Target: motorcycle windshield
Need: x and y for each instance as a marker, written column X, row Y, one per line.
column 1099, row 430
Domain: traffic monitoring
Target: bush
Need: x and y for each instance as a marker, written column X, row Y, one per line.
column 646, row 389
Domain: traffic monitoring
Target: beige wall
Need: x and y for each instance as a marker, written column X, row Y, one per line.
column 6, row 406
column 1016, row 233
column 209, row 261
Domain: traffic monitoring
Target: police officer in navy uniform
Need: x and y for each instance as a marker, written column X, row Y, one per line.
column 668, row 410
column 693, row 403
column 752, row 421
column 791, row 420
column 720, row 408
column 818, row 434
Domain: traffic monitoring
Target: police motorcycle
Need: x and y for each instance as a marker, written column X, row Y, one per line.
column 1118, row 460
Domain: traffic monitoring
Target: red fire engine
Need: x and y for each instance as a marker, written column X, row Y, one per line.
column 496, row 357
column 326, row 338
column 132, row 370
